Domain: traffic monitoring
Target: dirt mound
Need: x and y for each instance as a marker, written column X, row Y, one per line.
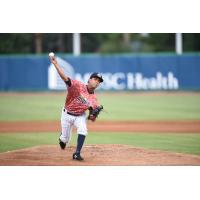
column 99, row 155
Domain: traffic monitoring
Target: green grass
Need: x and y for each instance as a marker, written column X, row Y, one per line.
column 15, row 141
column 184, row 143
column 30, row 107
column 120, row 106
column 148, row 107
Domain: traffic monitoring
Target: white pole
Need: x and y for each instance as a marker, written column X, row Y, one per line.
column 76, row 44
column 179, row 43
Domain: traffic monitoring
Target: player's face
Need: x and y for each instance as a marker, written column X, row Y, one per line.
column 94, row 82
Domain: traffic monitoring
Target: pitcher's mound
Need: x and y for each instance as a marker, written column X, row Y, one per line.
column 101, row 155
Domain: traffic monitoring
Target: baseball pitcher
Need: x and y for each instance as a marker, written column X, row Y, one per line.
column 79, row 99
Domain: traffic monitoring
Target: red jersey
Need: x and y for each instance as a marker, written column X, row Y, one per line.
column 78, row 99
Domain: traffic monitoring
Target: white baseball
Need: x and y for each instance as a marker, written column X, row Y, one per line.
column 51, row 54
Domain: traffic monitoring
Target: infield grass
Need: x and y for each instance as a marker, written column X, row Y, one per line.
column 183, row 143
column 118, row 106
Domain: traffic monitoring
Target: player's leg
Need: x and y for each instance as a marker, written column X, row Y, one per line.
column 65, row 136
column 66, row 129
column 81, row 126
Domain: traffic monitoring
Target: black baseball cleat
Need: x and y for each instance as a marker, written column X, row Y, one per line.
column 62, row 144
column 77, row 156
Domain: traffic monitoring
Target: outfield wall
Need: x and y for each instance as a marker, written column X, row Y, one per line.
column 120, row 72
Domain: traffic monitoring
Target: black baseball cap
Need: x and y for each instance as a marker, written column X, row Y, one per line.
column 97, row 75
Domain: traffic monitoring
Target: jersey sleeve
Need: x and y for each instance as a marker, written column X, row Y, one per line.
column 74, row 88
column 72, row 83
column 69, row 82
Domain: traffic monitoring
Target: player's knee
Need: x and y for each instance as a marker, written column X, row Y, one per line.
column 82, row 131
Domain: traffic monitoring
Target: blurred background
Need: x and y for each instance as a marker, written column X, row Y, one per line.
column 127, row 61
column 30, row 43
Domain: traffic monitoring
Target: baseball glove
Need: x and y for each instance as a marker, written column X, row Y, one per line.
column 93, row 113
